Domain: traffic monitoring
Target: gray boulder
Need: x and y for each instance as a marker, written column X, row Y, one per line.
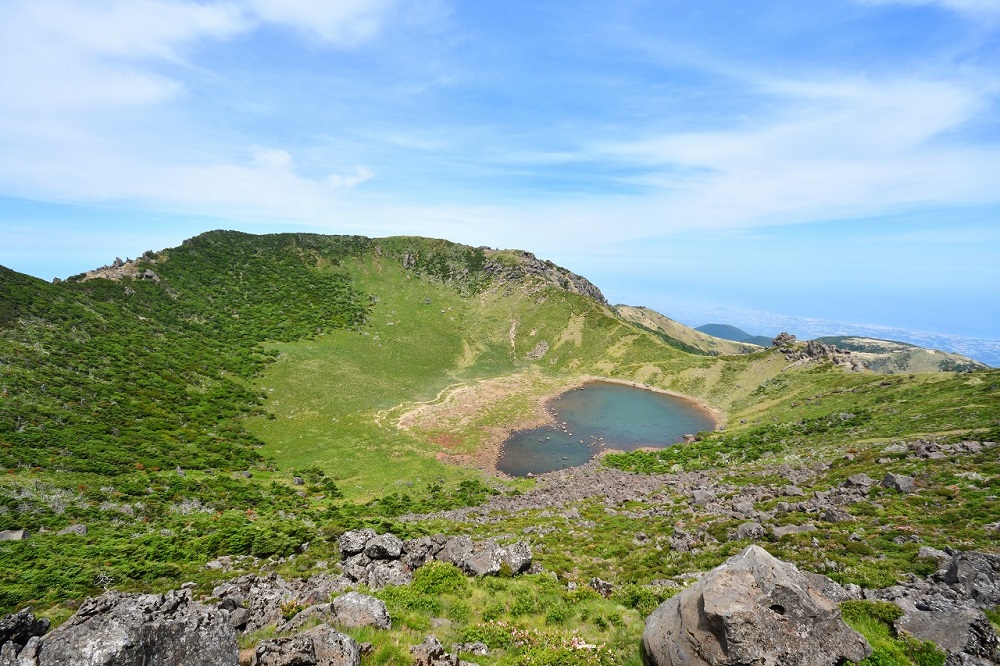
column 354, row 610
column 255, row 602
column 835, row 515
column 420, row 551
column 751, row 531
column 18, row 628
column 136, row 630
column 976, row 576
column 966, row 635
column 517, row 556
column 832, row 589
column 858, row 481
column 898, row 482
column 353, row 542
column 481, row 559
column 355, row 567
column 753, row 609
column 385, row 573
column 701, row 497
column 79, row 529
column 384, row 547
column 320, row 646
column 785, row 530
column 927, row 552
column 432, row 653
column 455, row 549
column 602, row 587
column 486, row 558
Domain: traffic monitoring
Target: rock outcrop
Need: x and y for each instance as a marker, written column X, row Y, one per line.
column 118, row 629
column 355, row 610
column 19, row 627
column 966, row 635
column 753, row 609
column 319, row 646
column 432, row 653
column 947, row 606
column 527, row 264
column 254, row 602
column 816, row 351
column 380, row 560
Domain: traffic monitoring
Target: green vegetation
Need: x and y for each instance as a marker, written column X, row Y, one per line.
column 873, row 619
column 266, row 392
column 530, row 619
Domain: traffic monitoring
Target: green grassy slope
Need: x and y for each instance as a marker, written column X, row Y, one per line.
column 135, row 406
column 333, row 398
column 125, row 402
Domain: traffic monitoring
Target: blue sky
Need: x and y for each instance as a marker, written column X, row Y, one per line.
column 835, row 160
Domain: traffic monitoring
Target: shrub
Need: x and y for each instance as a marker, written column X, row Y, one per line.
column 439, row 578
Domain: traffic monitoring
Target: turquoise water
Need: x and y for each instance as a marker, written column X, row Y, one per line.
column 599, row 416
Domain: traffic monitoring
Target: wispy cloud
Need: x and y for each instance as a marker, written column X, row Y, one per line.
column 345, row 22
column 976, row 8
column 73, row 76
column 59, row 55
column 842, row 147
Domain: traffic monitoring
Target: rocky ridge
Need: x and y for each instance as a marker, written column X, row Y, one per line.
column 529, row 265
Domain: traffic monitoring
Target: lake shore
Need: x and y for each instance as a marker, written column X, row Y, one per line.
column 490, row 452
column 486, row 455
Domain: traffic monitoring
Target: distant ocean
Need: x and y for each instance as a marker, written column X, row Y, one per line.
column 767, row 323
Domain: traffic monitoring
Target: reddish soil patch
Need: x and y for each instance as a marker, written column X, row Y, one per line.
column 446, row 440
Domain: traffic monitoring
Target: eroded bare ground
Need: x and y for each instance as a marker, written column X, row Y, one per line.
column 470, row 421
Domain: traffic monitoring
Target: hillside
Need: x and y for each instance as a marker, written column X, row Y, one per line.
column 729, row 332
column 889, row 356
column 235, row 404
column 697, row 339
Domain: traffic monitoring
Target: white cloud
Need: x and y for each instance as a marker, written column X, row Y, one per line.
column 272, row 159
column 86, row 87
column 126, row 28
column 58, row 54
column 338, row 21
column 845, row 147
column 346, row 182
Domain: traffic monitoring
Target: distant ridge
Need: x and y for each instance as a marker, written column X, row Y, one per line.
column 728, row 332
column 689, row 337
column 859, row 343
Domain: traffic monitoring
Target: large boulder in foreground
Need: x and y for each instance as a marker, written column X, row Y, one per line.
column 753, row 609
column 117, row 629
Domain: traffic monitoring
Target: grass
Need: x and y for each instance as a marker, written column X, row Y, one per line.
column 326, row 393
column 529, row 619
